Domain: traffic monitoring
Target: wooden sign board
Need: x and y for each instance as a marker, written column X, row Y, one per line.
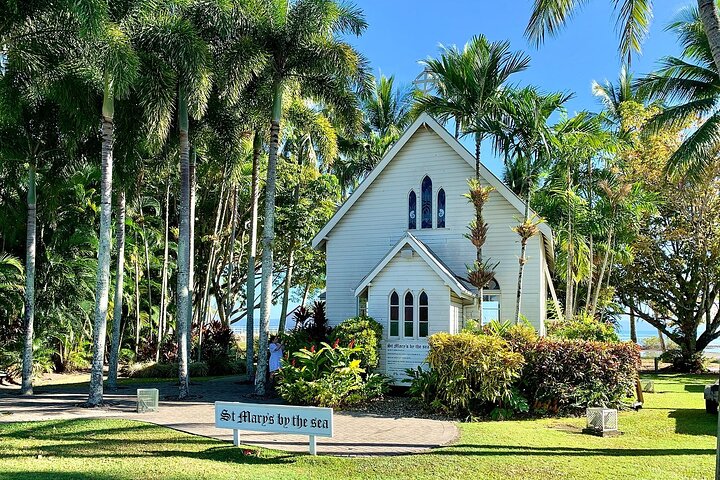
column 288, row 419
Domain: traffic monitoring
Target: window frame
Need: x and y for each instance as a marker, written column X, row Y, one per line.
column 412, row 320
column 390, row 314
column 412, row 209
column 423, row 224
column 420, row 321
column 438, row 218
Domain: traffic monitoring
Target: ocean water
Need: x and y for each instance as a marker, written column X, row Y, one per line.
column 645, row 330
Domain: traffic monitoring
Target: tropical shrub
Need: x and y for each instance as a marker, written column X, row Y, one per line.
column 365, row 334
column 311, row 329
column 330, row 376
column 566, row 376
column 583, row 327
column 473, row 373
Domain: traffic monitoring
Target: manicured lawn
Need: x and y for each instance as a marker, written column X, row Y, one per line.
column 672, row 437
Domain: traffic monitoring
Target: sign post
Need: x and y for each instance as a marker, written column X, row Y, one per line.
column 311, row 421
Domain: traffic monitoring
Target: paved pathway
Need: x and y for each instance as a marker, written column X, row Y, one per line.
column 355, row 433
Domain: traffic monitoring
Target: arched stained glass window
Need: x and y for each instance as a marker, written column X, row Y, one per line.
column 427, row 203
column 423, row 315
column 441, row 209
column 394, row 315
column 412, row 210
column 409, row 320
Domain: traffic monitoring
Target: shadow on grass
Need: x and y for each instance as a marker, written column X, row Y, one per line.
column 692, row 421
column 514, row 450
column 694, row 388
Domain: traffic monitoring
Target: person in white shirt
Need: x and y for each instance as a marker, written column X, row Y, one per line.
column 276, row 354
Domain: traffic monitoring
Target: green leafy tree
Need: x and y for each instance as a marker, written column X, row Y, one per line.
column 301, row 40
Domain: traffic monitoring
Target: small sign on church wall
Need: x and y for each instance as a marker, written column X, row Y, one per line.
column 403, row 354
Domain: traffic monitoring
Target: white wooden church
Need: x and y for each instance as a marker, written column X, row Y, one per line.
column 396, row 249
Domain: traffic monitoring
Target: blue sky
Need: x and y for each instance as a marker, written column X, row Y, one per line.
column 402, row 32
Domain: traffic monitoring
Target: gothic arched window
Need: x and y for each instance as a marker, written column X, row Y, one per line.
column 423, row 315
column 427, row 203
column 412, row 210
column 441, row 209
column 409, row 318
column 394, row 315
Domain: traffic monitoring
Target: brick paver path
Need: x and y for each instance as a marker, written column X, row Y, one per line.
column 355, row 433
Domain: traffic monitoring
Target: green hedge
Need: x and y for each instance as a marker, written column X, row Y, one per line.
column 566, row 376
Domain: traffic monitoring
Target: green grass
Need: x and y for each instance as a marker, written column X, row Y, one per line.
column 671, row 438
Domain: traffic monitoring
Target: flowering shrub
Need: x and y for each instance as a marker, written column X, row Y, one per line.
column 583, row 327
column 329, row 376
column 366, row 334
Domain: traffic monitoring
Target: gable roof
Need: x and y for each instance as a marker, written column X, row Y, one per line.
column 429, row 122
column 424, row 252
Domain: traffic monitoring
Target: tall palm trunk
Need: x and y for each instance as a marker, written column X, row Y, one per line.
column 250, row 289
column 521, row 261
column 138, row 318
column 191, row 263
column 183, row 256
column 633, row 330
column 118, row 302
column 149, row 283
column 478, row 221
column 27, row 366
column 601, row 274
column 164, row 281
column 231, row 259
column 102, row 286
column 268, row 240
column 711, row 25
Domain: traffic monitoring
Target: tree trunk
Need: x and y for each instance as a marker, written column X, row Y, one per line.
column 138, row 318
column 590, row 242
column 478, row 221
column 102, row 286
column 164, row 282
column 286, row 290
column 521, row 261
column 118, row 303
column 633, row 330
column 149, row 283
column 211, row 258
column 711, row 25
column 601, row 274
column 250, row 288
column 268, row 240
column 191, row 263
column 183, row 255
column 231, row 258
column 27, row 366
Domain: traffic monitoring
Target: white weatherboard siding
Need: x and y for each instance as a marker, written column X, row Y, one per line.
column 378, row 219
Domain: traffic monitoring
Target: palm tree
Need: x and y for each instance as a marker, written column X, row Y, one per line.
column 302, row 45
column 310, row 138
column 175, row 78
column 693, row 81
column 632, row 23
column 118, row 63
column 469, row 85
column 522, row 134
